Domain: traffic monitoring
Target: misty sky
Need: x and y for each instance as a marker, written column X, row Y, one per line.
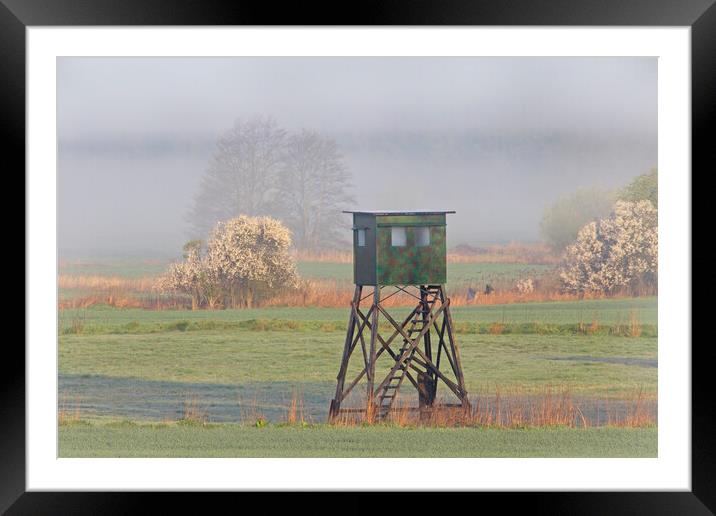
column 496, row 139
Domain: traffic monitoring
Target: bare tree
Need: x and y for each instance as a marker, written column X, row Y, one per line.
column 313, row 188
column 241, row 176
column 259, row 169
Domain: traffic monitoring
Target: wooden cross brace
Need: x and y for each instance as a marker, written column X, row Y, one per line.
column 410, row 353
column 385, row 346
column 414, row 346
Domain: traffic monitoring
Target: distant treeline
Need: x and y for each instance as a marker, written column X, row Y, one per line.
column 418, row 143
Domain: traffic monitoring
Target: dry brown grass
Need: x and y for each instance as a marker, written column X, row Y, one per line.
column 588, row 329
column 637, row 415
column 634, row 324
column 145, row 284
column 117, row 292
column 594, row 327
column 69, row 410
column 194, row 412
column 321, row 293
column 125, row 300
column 332, row 294
column 251, row 411
column 505, row 297
column 328, row 256
column 86, row 291
column 400, row 416
column 83, row 291
column 497, row 328
column 324, row 293
column 295, row 413
column 513, row 252
column 516, row 409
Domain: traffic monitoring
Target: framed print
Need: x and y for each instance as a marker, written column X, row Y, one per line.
column 285, row 252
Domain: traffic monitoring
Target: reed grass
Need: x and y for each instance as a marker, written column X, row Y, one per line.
column 68, row 411
column 194, row 413
column 513, row 252
column 516, row 409
column 87, row 291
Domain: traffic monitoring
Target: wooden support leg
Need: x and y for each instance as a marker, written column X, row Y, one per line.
column 425, row 308
column 352, row 322
column 415, row 330
column 370, row 410
column 455, row 351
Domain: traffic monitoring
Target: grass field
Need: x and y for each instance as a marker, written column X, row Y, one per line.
column 136, row 279
column 234, row 367
column 241, row 357
column 459, row 272
column 144, row 365
column 605, row 311
column 231, row 440
column 119, row 268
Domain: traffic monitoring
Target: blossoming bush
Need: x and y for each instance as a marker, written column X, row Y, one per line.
column 525, row 286
column 246, row 259
column 616, row 253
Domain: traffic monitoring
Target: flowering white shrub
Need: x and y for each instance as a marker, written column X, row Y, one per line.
column 193, row 277
column 244, row 256
column 526, row 286
column 617, row 252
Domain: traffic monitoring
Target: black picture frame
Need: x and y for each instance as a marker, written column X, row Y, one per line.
column 16, row 15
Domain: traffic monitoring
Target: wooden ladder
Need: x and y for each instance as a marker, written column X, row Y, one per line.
column 389, row 392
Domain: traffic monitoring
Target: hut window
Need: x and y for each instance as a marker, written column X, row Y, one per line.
column 398, row 237
column 361, row 238
column 422, row 237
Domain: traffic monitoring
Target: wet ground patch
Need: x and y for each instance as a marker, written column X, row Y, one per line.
column 93, row 396
column 138, row 399
column 631, row 361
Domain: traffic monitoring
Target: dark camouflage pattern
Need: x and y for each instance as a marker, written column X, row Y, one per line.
column 411, row 220
column 378, row 262
column 411, row 265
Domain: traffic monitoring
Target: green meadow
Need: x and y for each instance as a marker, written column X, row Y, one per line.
column 122, row 439
column 127, row 376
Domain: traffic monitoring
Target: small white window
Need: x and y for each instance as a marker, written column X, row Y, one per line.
column 361, row 238
column 422, row 237
column 398, row 237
